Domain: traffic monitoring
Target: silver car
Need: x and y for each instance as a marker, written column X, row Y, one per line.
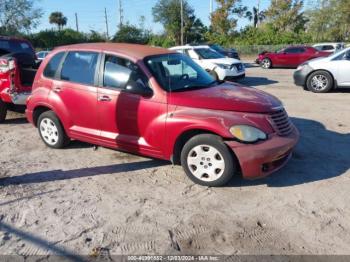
column 320, row 75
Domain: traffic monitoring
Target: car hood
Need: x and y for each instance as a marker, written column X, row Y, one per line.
column 227, row 97
column 224, row 61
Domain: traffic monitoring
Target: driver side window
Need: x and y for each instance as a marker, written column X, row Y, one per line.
column 118, row 72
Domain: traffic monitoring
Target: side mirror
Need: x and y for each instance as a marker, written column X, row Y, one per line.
column 138, row 88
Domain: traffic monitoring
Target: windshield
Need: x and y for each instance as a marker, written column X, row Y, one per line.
column 177, row 72
column 217, row 48
column 207, row 53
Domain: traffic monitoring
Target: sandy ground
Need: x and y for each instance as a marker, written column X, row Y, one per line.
column 83, row 201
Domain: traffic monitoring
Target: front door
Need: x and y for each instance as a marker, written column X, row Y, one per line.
column 127, row 120
column 343, row 70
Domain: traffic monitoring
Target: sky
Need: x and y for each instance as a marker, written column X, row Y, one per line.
column 91, row 13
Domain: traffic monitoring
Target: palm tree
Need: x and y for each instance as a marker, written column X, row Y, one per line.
column 59, row 19
column 256, row 16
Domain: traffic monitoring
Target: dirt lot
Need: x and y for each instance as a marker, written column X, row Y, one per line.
column 77, row 199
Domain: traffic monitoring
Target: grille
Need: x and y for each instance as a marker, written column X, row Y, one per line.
column 281, row 122
column 239, row 67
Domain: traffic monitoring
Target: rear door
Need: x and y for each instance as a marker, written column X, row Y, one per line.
column 76, row 92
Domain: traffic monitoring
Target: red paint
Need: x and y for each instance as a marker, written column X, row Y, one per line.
column 151, row 125
column 285, row 59
column 10, row 80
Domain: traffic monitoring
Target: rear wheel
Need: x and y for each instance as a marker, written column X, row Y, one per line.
column 51, row 130
column 266, row 63
column 320, row 82
column 207, row 160
column 3, row 111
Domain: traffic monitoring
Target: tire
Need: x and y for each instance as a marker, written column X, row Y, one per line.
column 51, row 130
column 3, row 111
column 266, row 63
column 209, row 155
column 320, row 82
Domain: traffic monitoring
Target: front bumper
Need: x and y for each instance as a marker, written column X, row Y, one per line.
column 262, row 159
column 229, row 73
column 300, row 76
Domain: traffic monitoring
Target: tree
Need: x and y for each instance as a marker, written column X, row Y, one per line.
column 256, row 16
column 128, row 33
column 330, row 21
column 286, row 15
column 168, row 13
column 59, row 19
column 222, row 22
column 17, row 16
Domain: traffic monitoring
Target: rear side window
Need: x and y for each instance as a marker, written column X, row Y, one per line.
column 15, row 46
column 80, row 67
column 327, row 47
column 52, row 67
column 295, row 50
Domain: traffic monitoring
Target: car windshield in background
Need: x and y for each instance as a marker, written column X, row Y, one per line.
column 9, row 46
column 207, row 53
column 177, row 72
column 217, row 48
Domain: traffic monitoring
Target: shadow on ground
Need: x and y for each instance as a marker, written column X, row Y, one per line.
column 56, row 175
column 320, row 154
column 256, row 81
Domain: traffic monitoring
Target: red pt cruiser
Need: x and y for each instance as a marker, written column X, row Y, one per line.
column 159, row 103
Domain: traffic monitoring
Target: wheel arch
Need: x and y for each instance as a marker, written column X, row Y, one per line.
column 187, row 135
column 320, row 70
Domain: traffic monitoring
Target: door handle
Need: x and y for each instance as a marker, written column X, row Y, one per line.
column 57, row 89
column 104, row 98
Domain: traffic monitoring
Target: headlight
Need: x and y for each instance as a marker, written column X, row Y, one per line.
column 247, row 133
column 224, row 66
column 300, row 67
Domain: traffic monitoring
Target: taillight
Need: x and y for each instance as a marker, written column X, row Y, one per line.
column 6, row 65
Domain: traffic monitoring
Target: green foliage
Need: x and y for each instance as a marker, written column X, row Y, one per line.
column 161, row 40
column 132, row 34
column 222, row 22
column 18, row 16
column 59, row 19
column 51, row 38
column 286, row 15
column 331, row 21
column 168, row 13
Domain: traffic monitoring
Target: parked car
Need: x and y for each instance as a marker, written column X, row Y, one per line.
column 159, row 103
column 219, row 66
column 42, row 54
column 227, row 52
column 17, row 70
column 323, row 74
column 290, row 57
column 329, row 47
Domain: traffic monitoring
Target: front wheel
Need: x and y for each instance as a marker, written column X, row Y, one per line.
column 3, row 111
column 207, row 161
column 320, row 82
column 266, row 63
column 51, row 130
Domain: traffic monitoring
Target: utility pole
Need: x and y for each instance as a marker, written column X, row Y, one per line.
column 210, row 7
column 76, row 22
column 106, row 19
column 182, row 21
column 120, row 13
column 258, row 13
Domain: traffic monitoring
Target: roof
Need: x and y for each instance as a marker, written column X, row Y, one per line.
column 189, row 47
column 131, row 50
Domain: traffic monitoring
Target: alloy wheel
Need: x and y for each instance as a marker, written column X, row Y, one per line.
column 319, row 82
